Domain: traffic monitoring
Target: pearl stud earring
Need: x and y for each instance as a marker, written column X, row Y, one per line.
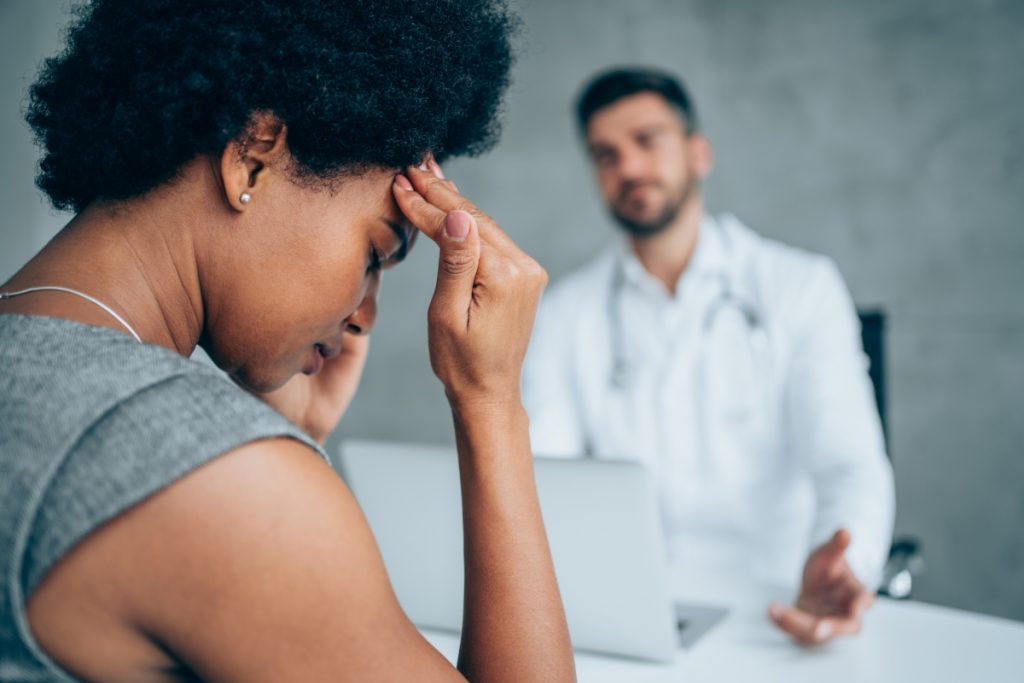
column 245, row 197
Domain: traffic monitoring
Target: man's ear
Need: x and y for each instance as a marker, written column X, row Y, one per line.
column 245, row 162
column 702, row 154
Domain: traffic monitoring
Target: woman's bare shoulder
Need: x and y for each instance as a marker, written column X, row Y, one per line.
column 258, row 565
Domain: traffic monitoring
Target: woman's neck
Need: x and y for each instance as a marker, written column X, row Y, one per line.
column 136, row 257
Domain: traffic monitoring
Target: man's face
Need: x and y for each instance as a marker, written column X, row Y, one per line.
column 647, row 166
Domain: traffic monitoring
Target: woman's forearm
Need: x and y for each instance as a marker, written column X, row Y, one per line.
column 514, row 627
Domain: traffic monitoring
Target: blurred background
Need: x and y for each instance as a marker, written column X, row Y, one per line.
column 883, row 133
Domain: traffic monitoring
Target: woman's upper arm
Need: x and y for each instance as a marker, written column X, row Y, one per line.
column 266, row 569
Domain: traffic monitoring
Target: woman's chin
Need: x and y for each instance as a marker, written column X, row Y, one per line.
column 260, row 383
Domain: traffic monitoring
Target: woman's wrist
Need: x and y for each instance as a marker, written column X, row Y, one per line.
column 486, row 407
column 491, row 424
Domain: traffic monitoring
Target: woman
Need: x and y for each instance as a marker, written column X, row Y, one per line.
column 241, row 172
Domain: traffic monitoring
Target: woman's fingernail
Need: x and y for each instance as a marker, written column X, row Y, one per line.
column 457, row 224
column 436, row 168
column 822, row 631
column 403, row 182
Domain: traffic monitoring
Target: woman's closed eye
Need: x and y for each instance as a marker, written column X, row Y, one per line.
column 380, row 260
column 376, row 261
column 402, row 237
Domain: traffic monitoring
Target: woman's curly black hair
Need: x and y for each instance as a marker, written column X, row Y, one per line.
column 145, row 86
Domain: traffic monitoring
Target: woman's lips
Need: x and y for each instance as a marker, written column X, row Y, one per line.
column 318, row 361
column 321, row 353
column 328, row 352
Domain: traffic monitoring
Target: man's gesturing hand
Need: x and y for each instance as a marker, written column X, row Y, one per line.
column 486, row 295
column 831, row 600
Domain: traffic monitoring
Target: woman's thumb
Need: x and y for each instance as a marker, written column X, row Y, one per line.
column 459, row 258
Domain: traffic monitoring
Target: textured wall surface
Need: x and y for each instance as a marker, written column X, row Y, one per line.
column 29, row 31
column 883, row 133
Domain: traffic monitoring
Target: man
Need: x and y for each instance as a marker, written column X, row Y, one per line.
column 730, row 364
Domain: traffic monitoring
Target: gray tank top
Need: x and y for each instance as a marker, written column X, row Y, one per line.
column 92, row 423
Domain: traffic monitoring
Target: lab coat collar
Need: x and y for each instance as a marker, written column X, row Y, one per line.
column 709, row 258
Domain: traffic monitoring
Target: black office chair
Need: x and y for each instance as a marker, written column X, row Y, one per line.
column 905, row 560
column 872, row 336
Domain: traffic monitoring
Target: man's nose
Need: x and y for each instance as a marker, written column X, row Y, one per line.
column 632, row 165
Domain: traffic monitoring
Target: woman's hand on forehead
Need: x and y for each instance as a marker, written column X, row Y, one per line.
column 487, row 290
column 434, row 196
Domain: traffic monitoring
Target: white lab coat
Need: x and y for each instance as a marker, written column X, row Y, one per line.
column 760, row 451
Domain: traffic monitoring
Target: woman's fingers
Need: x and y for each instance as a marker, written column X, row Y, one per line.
column 487, row 290
column 424, row 216
column 428, row 217
column 456, row 234
column 436, row 168
column 442, row 194
column 457, row 267
column 437, row 190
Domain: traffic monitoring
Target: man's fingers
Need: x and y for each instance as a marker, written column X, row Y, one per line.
column 832, row 627
column 861, row 602
column 797, row 623
column 809, row 629
column 831, row 555
column 839, row 542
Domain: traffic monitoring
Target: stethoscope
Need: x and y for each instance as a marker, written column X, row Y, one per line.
column 623, row 372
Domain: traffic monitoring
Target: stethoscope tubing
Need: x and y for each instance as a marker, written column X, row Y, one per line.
column 623, row 370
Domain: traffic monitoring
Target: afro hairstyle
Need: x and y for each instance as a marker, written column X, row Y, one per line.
column 142, row 88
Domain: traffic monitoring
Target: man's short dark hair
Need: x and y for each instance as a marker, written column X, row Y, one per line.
column 611, row 86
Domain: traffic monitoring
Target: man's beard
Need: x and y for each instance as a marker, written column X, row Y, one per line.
column 664, row 219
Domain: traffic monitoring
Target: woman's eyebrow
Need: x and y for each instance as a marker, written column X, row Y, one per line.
column 406, row 236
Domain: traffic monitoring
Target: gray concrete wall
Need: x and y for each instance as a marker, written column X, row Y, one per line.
column 29, row 31
column 883, row 133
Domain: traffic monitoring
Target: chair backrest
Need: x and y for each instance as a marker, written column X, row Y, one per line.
column 872, row 333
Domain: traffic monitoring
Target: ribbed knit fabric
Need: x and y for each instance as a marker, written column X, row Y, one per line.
column 92, row 423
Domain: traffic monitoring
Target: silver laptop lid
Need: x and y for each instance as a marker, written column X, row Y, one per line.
column 601, row 521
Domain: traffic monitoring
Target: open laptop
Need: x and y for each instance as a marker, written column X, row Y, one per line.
column 602, row 525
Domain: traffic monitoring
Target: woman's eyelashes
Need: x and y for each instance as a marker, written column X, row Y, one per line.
column 375, row 261
column 379, row 260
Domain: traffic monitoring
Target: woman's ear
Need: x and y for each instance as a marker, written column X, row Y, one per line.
column 245, row 163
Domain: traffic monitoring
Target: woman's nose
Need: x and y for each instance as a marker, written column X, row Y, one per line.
column 362, row 319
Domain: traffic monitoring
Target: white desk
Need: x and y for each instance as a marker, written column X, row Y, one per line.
column 901, row 642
